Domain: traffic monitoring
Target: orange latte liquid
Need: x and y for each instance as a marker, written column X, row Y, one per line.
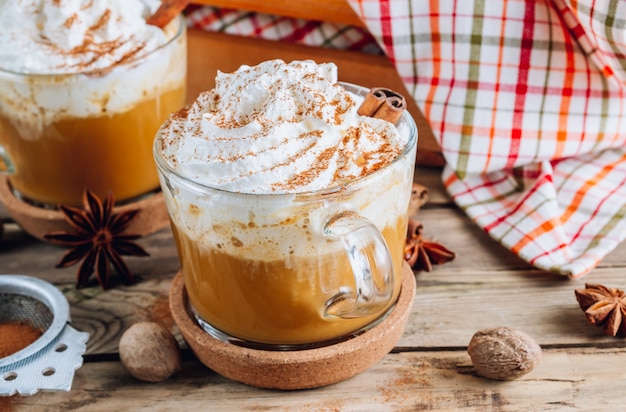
column 106, row 154
column 271, row 301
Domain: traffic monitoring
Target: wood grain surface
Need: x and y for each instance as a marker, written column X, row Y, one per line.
column 429, row 368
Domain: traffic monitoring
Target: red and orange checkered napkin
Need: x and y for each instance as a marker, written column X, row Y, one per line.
column 527, row 99
column 280, row 28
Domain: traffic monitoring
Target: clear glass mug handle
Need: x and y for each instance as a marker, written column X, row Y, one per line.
column 371, row 265
column 6, row 165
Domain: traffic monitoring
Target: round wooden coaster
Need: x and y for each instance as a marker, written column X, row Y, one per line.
column 38, row 222
column 294, row 369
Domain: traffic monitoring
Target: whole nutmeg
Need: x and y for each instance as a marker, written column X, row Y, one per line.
column 503, row 353
column 149, row 352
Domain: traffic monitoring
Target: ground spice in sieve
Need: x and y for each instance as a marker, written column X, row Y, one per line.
column 15, row 336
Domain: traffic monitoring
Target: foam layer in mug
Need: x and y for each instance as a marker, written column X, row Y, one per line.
column 278, row 128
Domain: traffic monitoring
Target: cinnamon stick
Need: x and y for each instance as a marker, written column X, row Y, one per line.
column 419, row 197
column 166, row 12
column 392, row 109
column 383, row 104
column 373, row 100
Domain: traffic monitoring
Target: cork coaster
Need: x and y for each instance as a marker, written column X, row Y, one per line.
column 294, row 369
column 38, row 222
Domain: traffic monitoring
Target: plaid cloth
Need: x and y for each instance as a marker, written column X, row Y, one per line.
column 527, row 100
column 280, row 28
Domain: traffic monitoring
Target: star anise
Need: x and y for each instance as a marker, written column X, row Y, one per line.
column 604, row 307
column 421, row 253
column 97, row 240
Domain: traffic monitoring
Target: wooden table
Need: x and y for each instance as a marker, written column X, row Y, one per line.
column 428, row 369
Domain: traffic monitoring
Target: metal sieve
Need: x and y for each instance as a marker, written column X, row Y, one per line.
column 49, row 362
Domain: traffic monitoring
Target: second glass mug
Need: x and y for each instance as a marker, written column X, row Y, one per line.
column 292, row 271
column 63, row 133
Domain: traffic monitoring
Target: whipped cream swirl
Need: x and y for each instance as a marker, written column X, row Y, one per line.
column 69, row 36
column 277, row 128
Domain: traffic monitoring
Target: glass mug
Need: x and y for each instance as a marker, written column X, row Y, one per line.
column 292, row 271
column 62, row 133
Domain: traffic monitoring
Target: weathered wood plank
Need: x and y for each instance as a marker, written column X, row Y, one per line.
column 450, row 305
column 446, row 311
column 576, row 379
column 335, row 11
column 485, row 286
column 20, row 253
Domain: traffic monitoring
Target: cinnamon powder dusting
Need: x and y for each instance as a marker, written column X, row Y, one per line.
column 97, row 50
column 15, row 336
column 303, row 178
column 104, row 19
column 70, row 21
